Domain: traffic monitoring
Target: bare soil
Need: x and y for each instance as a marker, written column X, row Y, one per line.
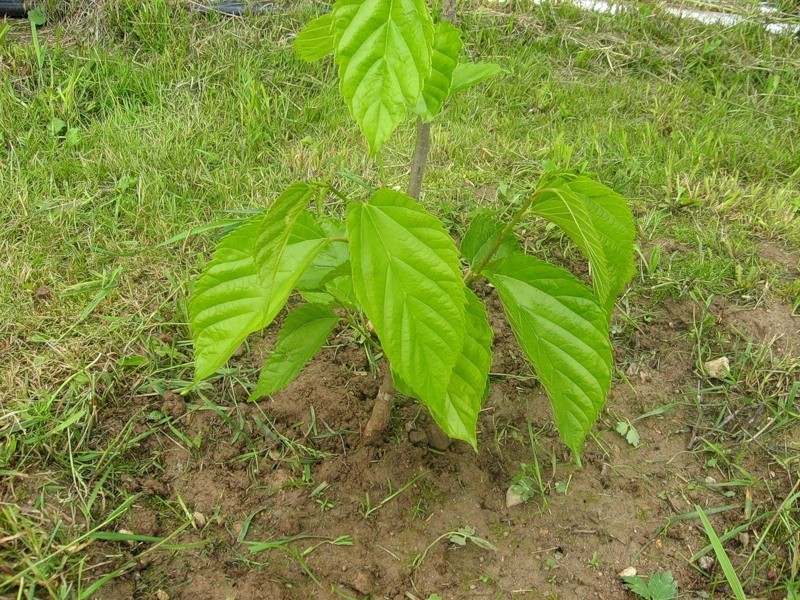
column 621, row 509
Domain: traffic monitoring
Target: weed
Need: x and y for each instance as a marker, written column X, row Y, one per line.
column 457, row 537
column 660, row 586
column 366, row 505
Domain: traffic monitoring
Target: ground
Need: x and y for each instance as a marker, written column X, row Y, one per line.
column 130, row 126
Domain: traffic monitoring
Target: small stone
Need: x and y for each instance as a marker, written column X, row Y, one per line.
column 513, row 498
column 710, row 480
column 438, row 439
column 173, row 405
column 199, row 519
column 705, row 562
column 127, row 532
column 719, row 368
column 162, row 595
column 418, row 438
column 627, row 572
column 744, row 539
column 363, row 582
column 43, row 293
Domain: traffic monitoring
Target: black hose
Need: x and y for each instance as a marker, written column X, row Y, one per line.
column 234, row 8
column 12, row 9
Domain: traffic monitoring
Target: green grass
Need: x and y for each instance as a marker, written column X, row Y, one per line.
column 172, row 120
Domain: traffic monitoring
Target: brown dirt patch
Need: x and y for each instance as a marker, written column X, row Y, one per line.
column 294, row 470
column 771, row 325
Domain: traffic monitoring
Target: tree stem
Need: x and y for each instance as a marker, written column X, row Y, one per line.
column 472, row 274
column 381, row 412
column 420, row 159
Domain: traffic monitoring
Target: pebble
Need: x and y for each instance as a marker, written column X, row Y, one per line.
column 437, row 439
column 628, row 572
column 418, row 438
column 363, row 582
column 705, row 562
column 719, row 368
column 513, row 498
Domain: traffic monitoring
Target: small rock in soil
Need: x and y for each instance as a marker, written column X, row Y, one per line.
column 418, row 438
column 127, row 532
column 162, row 595
column 144, row 521
column 42, row 294
column 173, row 405
column 744, row 539
column 438, row 439
column 719, row 368
column 705, row 562
column 199, row 519
column 513, row 498
column 363, row 582
column 628, row 572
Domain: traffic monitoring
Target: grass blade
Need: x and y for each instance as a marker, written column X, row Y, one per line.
column 722, row 556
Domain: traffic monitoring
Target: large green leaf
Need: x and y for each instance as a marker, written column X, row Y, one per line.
column 297, row 257
column 447, row 47
column 466, row 75
column 316, row 39
column 303, row 333
column 458, row 414
column 614, row 222
column 244, row 285
column 407, row 279
column 569, row 211
column 481, row 236
column 329, row 261
column 383, row 51
column 600, row 223
column 563, row 331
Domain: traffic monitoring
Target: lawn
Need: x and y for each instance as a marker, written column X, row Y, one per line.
column 133, row 133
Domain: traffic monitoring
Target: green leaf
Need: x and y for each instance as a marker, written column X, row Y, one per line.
column 629, row 432
column 458, row 414
column 303, row 333
column 245, row 284
column 57, row 126
column 316, row 39
column 330, row 259
column 407, row 279
column 638, row 586
column 383, row 52
column 661, row 586
column 664, row 587
column 447, row 47
column 632, row 437
column 36, row 17
column 563, row 331
column 614, row 221
column 599, row 222
column 481, row 236
column 466, row 75
column 568, row 210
